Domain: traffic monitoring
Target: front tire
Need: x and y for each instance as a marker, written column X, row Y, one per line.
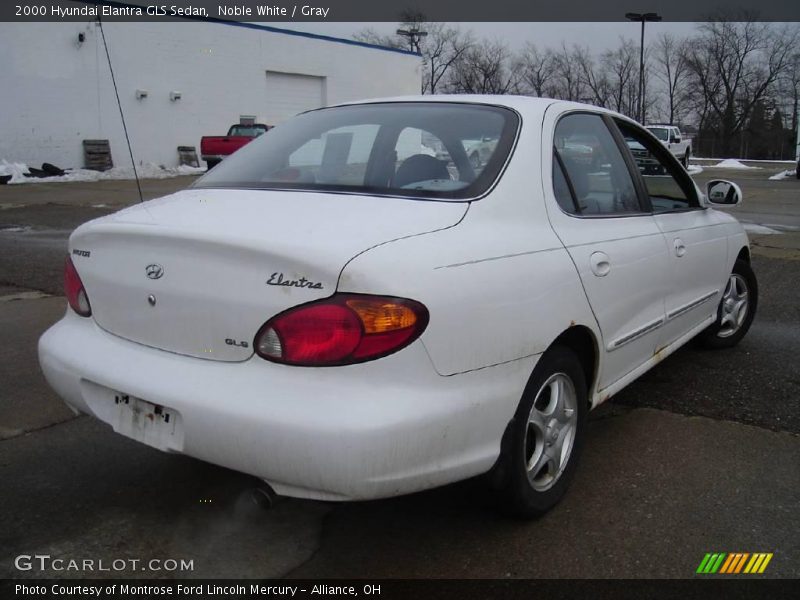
column 685, row 160
column 545, row 438
column 736, row 309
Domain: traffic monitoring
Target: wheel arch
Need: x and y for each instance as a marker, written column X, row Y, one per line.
column 744, row 254
column 582, row 341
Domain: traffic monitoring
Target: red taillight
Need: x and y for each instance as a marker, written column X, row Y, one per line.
column 341, row 330
column 73, row 288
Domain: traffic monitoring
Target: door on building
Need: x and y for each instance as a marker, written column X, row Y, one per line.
column 289, row 94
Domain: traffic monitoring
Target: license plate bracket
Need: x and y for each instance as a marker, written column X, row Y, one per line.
column 151, row 424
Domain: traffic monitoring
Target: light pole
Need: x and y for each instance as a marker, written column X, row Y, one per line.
column 413, row 34
column 642, row 18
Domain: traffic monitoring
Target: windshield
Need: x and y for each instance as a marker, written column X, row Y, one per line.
column 661, row 133
column 417, row 149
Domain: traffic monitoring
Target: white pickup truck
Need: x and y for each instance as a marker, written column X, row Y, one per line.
column 671, row 137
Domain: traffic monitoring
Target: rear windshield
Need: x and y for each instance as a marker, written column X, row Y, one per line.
column 247, row 130
column 661, row 133
column 447, row 151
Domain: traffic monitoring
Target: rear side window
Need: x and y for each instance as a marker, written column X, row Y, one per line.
column 438, row 150
column 595, row 170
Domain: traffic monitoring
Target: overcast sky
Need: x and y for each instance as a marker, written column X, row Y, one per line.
column 597, row 36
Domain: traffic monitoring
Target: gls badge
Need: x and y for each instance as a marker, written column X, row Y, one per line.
column 232, row 342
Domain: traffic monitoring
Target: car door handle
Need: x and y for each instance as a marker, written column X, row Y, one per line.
column 680, row 247
column 600, row 263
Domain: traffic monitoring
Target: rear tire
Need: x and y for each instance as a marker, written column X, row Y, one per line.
column 544, row 440
column 736, row 309
column 685, row 160
column 212, row 163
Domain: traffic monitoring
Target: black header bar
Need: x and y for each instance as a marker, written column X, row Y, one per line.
column 282, row 11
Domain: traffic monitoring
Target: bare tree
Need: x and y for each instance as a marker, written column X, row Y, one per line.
column 370, row 36
column 568, row 83
column 671, row 69
column 734, row 65
column 593, row 77
column 485, row 68
column 622, row 68
column 441, row 48
column 536, row 71
column 650, row 100
column 788, row 91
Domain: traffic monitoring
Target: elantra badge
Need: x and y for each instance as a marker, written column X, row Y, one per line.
column 154, row 271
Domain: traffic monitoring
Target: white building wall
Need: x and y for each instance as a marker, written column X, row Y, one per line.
column 57, row 92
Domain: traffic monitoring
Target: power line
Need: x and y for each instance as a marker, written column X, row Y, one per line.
column 121, row 115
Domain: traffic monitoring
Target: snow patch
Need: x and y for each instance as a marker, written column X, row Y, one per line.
column 16, row 171
column 145, row 171
column 784, row 175
column 753, row 160
column 757, row 229
column 694, row 169
column 731, row 163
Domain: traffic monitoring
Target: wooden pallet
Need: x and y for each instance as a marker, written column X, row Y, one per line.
column 188, row 156
column 97, row 155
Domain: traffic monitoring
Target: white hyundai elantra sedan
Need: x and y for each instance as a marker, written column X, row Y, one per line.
column 340, row 313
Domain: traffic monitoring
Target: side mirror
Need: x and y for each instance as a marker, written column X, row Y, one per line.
column 727, row 193
column 676, row 140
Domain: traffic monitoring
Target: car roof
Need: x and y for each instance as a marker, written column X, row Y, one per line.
column 526, row 105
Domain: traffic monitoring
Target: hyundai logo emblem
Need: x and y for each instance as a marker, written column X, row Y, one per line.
column 154, row 271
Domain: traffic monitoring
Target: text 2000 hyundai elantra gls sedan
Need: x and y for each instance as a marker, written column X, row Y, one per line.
column 339, row 312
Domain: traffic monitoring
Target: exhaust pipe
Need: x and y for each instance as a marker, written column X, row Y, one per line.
column 264, row 496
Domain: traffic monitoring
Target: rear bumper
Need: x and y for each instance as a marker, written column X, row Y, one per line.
column 378, row 429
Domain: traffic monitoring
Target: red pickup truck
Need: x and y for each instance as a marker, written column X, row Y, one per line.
column 213, row 148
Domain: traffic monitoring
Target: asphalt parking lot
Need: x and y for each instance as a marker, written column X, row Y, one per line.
column 700, row 455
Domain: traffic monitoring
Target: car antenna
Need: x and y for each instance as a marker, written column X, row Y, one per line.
column 119, row 105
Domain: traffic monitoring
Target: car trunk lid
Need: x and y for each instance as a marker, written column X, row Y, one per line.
column 198, row 272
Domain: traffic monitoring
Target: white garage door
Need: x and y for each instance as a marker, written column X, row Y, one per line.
column 291, row 93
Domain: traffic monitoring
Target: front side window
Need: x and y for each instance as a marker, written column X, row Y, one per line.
column 594, row 168
column 417, row 149
column 668, row 185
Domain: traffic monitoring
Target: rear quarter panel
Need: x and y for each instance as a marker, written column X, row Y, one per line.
column 499, row 285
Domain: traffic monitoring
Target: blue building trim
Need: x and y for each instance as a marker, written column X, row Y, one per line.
column 270, row 28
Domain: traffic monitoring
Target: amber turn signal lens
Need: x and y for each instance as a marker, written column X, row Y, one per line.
column 380, row 317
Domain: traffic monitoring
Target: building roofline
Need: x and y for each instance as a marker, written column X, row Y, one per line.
column 270, row 28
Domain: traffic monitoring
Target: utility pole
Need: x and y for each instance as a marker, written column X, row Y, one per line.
column 641, row 18
column 414, row 35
